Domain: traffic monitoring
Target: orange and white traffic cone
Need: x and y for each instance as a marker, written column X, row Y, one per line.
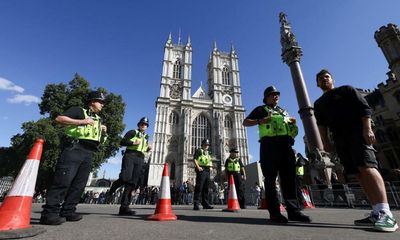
column 15, row 212
column 307, row 200
column 163, row 210
column 233, row 203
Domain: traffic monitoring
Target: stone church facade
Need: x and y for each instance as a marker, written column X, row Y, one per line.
column 184, row 119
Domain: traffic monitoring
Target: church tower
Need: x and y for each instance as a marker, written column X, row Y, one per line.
column 183, row 120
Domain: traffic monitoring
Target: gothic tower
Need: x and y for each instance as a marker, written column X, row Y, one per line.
column 183, row 119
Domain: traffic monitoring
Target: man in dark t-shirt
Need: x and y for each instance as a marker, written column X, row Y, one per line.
column 347, row 115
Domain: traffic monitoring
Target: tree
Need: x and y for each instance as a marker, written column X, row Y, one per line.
column 55, row 100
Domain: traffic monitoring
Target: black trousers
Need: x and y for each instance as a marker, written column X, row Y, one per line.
column 237, row 177
column 70, row 178
column 277, row 156
column 201, row 188
column 132, row 164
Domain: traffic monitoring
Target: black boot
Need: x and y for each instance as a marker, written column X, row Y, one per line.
column 298, row 216
column 196, row 207
column 71, row 217
column 126, row 211
column 277, row 218
column 51, row 219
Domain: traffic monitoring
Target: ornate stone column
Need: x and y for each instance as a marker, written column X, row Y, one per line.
column 291, row 53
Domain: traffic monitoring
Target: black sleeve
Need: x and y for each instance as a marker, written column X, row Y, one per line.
column 364, row 110
column 197, row 153
column 257, row 113
column 241, row 163
column 226, row 164
column 74, row 113
column 126, row 140
column 318, row 113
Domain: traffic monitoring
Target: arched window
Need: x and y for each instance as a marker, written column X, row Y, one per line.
column 177, row 69
column 201, row 129
column 225, row 76
column 228, row 122
column 173, row 118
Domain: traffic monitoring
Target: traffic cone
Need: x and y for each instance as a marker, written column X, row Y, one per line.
column 163, row 210
column 233, row 203
column 15, row 212
column 264, row 203
column 307, row 200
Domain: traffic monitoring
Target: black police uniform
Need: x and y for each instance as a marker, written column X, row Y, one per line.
column 71, row 175
column 237, row 177
column 202, row 184
column 131, row 169
column 277, row 156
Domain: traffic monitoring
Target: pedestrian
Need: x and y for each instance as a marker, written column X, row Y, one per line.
column 234, row 167
column 347, row 115
column 277, row 131
column 202, row 161
column 257, row 190
column 85, row 133
column 137, row 145
column 221, row 194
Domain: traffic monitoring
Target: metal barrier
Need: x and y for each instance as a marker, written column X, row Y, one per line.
column 350, row 195
column 5, row 185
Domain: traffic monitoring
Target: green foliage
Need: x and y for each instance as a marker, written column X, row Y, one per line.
column 55, row 100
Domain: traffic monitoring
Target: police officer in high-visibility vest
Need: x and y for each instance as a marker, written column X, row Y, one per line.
column 137, row 145
column 202, row 161
column 234, row 166
column 85, row 133
column 277, row 131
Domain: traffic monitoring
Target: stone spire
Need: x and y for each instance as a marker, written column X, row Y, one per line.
column 290, row 49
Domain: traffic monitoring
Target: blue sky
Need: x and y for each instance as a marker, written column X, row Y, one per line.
column 119, row 45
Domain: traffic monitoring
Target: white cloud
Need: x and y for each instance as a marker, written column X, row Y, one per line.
column 114, row 161
column 10, row 86
column 25, row 99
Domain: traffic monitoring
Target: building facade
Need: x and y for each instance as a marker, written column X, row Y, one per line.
column 184, row 119
column 385, row 101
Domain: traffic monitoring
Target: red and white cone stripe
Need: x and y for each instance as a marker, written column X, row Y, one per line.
column 232, row 194
column 26, row 180
column 165, row 192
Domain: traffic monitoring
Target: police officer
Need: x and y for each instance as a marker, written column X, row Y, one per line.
column 277, row 131
column 136, row 142
column 234, row 166
column 85, row 133
column 202, row 161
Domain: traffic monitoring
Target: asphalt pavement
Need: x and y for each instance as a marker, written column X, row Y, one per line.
column 101, row 222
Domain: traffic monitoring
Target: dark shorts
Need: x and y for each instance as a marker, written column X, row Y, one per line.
column 353, row 152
